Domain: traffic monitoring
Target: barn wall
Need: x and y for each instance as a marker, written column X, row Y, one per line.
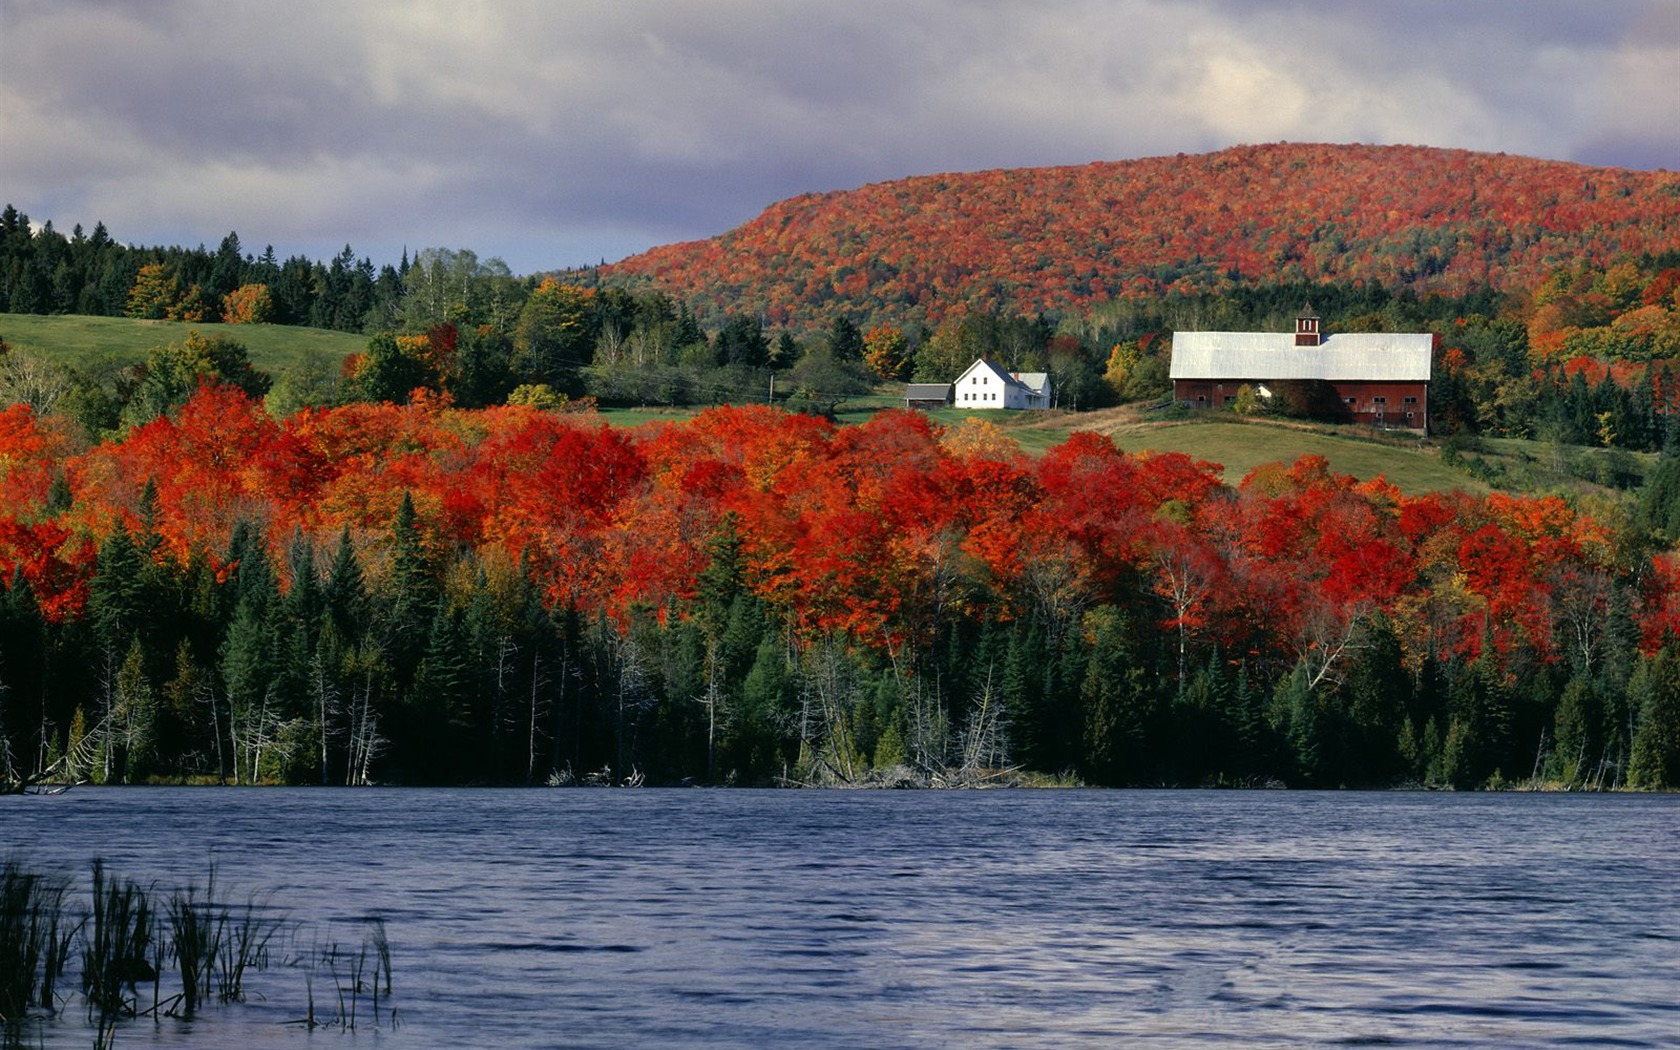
column 1373, row 403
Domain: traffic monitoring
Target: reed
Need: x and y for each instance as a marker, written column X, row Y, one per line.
column 193, row 934
column 363, row 971
column 33, row 945
column 129, row 936
column 119, row 952
column 380, row 942
column 118, row 946
column 214, row 946
column 243, row 941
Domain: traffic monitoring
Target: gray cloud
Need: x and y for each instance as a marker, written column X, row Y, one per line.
column 560, row 134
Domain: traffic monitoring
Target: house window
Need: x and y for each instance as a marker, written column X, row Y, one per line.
column 1379, row 400
column 1200, row 397
column 1351, row 401
column 1411, row 400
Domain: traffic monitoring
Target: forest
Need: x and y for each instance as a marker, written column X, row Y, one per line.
column 426, row 594
column 433, row 563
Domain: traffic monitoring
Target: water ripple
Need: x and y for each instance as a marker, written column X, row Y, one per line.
column 1010, row 919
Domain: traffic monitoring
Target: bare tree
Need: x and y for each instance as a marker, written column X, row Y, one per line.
column 29, row 380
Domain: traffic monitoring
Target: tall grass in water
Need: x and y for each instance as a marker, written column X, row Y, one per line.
column 129, row 936
column 214, row 946
column 245, row 937
column 376, row 940
column 348, row 969
column 35, row 940
column 119, row 952
column 193, row 939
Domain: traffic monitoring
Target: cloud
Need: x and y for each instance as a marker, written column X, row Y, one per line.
column 558, row 134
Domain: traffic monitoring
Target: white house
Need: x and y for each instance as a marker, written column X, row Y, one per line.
column 985, row 385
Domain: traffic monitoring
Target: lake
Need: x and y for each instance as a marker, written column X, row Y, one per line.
column 687, row 918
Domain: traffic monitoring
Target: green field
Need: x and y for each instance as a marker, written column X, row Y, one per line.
column 1413, row 464
column 1240, row 447
column 91, row 343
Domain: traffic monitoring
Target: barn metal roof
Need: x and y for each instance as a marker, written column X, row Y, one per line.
column 1377, row 356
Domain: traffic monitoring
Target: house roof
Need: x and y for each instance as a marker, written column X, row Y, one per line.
column 1377, row 356
column 1037, row 382
column 982, row 363
column 927, row 391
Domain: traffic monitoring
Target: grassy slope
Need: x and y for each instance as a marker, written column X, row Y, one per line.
column 1241, row 445
column 93, row 342
column 1237, row 446
column 1413, row 465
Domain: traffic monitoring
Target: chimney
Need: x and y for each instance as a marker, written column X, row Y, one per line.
column 1306, row 328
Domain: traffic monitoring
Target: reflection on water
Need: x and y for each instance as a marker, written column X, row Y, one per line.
column 872, row 919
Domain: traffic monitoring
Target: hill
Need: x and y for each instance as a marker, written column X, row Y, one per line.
column 1067, row 238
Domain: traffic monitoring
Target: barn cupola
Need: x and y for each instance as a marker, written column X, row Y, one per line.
column 1306, row 327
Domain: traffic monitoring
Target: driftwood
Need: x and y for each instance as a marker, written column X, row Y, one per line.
column 42, row 782
column 601, row 778
column 911, row 777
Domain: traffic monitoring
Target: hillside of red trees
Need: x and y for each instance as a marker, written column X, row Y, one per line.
column 421, row 593
column 1064, row 239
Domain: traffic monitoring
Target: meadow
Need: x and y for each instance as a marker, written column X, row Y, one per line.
column 92, row 343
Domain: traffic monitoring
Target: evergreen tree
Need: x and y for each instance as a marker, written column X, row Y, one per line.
column 845, row 341
column 413, row 592
column 1655, row 694
column 742, row 341
column 344, row 594
column 1118, row 705
column 115, row 595
column 438, row 741
column 24, row 681
column 757, row 743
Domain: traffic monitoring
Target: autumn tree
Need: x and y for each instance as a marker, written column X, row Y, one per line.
column 389, row 371
column 887, row 352
column 248, row 304
column 154, row 293
column 555, row 335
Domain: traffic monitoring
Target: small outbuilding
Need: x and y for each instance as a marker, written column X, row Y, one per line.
column 927, row 395
column 1377, row 378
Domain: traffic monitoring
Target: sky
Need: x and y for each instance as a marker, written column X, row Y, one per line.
column 559, row 133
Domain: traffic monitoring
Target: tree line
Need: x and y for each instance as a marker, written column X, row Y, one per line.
column 1587, row 357
column 427, row 594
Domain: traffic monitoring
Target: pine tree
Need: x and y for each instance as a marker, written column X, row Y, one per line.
column 1118, row 704
column 413, row 592
column 1655, row 693
column 438, row 739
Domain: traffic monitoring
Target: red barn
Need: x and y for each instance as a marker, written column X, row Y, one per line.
column 1379, row 378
